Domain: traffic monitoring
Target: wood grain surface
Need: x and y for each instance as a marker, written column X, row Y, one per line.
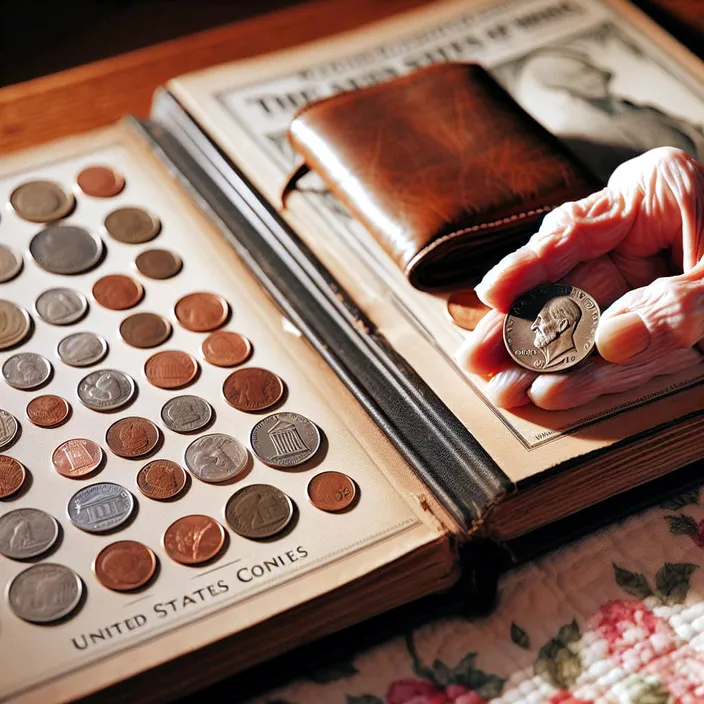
column 100, row 93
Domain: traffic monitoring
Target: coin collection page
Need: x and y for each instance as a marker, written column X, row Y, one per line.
column 161, row 454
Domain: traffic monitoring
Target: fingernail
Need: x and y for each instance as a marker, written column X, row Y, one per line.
column 622, row 337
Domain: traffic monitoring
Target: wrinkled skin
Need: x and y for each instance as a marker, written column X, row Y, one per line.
column 637, row 246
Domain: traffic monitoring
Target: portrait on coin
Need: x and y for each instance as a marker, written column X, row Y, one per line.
column 554, row 329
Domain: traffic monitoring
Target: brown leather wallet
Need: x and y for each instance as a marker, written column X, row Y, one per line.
column 441, row 166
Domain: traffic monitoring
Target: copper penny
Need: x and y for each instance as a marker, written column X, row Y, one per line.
column 77, row 457
column 158, row 263
column 253, row 389
column 171, row 369
column 117, row 292
column 145, row 330
column 124, row 565
column 226, row 349
column 100, row 181
column 132, row 225
column 331, row 491
column 132, row 437
column 194, row 539
column 48, row 411
column 201, row 312
column 12, row 476
column 161, row 479
column 465, row 309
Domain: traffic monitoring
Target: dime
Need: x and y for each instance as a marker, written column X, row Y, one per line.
column 12, row 476
column 9, row 427
column 186, row 414
column 106, row 390
column 201, row 312
column 48, row 411
column 253, row 389
column 132, row 225
column 216, row 458
column 10, row 264
column 61, row 306
column 551, row 328
column 15, row 324
column 27, row 533
column 45, row 593
column 145, row 330
column 100, row 507
column 465, row 309
column 132, row 437
column 161, row 479
column 77, row 457
column 158, row 263
column 331, row 491
column 285, row 439
column 226, row 349
column 26, row 370
column 117, row 292
column 82, row 349
column 66, row 249
column 42, row 201
column 194, row 539
column 171, row 369
column 125, row 565
column 100, row 181
column 259, row 511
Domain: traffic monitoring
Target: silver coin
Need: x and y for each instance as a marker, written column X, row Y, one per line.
column 106, row 390
column 285, row 439
column 10, row 264
column 26, row 370
column 45, row 593
column 15, row 324
column 186, row 414
column 100, row 507
column 27, row 533
column 61, row 306
column 66, row 249
column 9, row 427
column 82, row 349
column 216, row 458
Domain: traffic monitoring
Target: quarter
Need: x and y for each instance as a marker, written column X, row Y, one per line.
column 216, row 458
column 259, row 511
column 100, row 181
column 465, row 309
column 125, row 565
column 61, row 306
column 106, row 390
column 15, row 324
column 12, row 476
column 161, row 479
column 41, row 201
column 82, row 349
column 145, row 330
column 132, row 225
column 186, row 414
column 48, row 411
column 132, row 437
column 26, row 533
column 332, row 491
column 226, row 349
column 26, row 370
column 9, row 427
column 77, row 457
column 193, row 540
column 45, row 593
column 285, row 439
column 158, row 263
column 202, row 312
column 253, row 389
column 101, row 507
column 171, row 369
column 117, row 292
column 66, row 249
column 10, row 263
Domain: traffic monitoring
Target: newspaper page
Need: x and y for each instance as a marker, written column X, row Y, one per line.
column 595, row 73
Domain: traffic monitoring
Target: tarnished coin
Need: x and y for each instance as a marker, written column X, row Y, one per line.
column 465, row 309
column 171, row 369
column 117, row 292
column 45, row 593
column 202, row 312
column 226, row 349
column 77, row 457
column 12, row 476
column 66, row 249
column 26, row 370
column 26, row 533
column 253, row 389
column 100, row 181
column 145, row 330
column 194, row 539
column 132, row 437
column 106, row 390
column 82, row 349
column 15, row 324
column 10, row 263
column 100, row 507
column 132, row 225
column 48, row 411
column 186, row 414
column 285, row 439
column 161, row 479
column 551, row 328
column 259, row 511
column 216, row 458
column 9, row 427
column 331, row 491
column 42, row 201
column 61, row 306
column 125, row 565
column 158, row 263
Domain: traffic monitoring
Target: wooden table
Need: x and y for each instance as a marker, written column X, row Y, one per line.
column 100, row 93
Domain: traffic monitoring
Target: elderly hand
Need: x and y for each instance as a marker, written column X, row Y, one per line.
column 637, row 247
